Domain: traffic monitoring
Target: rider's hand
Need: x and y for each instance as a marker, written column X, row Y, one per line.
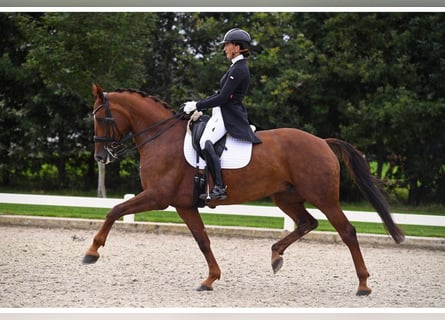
column 189, row 107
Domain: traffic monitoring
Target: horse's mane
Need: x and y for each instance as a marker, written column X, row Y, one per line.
column 146, row 95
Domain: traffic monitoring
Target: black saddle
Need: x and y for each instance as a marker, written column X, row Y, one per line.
column 197, row 128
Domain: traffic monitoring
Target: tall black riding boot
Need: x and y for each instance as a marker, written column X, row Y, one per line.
column 213, row 163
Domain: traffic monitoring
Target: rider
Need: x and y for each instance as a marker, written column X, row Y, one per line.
column 228, row 113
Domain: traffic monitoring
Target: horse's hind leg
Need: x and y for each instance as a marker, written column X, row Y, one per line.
column 289, row 203
column 348, row 234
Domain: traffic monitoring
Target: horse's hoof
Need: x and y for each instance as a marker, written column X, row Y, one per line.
column 363, row 292
column 277, row 264
column 204, row 288
column 89, row 259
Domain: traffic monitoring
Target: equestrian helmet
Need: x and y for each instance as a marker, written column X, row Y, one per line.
column 237, row 35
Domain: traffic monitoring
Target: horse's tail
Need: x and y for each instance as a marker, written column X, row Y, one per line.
column 359, row 170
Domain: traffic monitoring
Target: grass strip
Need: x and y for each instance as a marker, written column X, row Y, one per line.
column 209, row 219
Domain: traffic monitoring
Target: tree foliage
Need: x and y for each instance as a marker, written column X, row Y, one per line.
column 373, row 79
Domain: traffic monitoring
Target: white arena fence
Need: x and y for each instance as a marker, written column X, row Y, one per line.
column 244, row 210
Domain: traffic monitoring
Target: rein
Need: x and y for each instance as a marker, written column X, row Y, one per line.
column 115, row 147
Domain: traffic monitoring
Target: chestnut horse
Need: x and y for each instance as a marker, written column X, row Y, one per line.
column 290, row 166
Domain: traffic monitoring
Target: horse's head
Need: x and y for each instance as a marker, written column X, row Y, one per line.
column 128, row 110
column 108, row 130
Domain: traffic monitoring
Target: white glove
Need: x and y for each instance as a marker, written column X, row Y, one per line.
column 189, row 107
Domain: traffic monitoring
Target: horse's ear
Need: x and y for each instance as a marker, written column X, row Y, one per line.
column 98, row 91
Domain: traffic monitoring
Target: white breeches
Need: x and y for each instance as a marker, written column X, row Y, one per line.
column 215, row 128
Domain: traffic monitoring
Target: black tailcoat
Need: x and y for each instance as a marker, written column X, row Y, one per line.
column 233, row 87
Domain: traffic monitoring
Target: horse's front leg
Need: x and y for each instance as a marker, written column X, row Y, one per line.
column 194, row 222
column 136, row 204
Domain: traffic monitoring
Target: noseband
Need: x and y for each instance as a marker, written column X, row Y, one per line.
column 114, row 139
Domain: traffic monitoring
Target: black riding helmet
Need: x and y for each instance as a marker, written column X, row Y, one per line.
column 237, row 35
column 240, row 37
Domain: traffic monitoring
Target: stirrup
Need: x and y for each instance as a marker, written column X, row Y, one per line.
column 217, row 193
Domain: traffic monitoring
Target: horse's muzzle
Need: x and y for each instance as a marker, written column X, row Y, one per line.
column 104, row 157
column 100, row 158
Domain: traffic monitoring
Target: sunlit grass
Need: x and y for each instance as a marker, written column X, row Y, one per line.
column 209, row 219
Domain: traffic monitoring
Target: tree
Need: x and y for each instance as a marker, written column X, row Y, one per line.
column 67, row 51
column 361, row 77
column 396, row 98
column 13, row 88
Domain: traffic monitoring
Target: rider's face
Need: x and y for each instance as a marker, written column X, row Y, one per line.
column 231, row 50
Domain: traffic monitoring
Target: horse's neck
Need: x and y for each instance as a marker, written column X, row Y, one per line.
column 152, row 121
column 144, row 114
column 167, row 145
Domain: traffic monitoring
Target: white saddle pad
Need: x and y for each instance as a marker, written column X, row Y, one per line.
column 236, row 155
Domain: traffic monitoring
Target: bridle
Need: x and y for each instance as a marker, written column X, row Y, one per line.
column 114, row 140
